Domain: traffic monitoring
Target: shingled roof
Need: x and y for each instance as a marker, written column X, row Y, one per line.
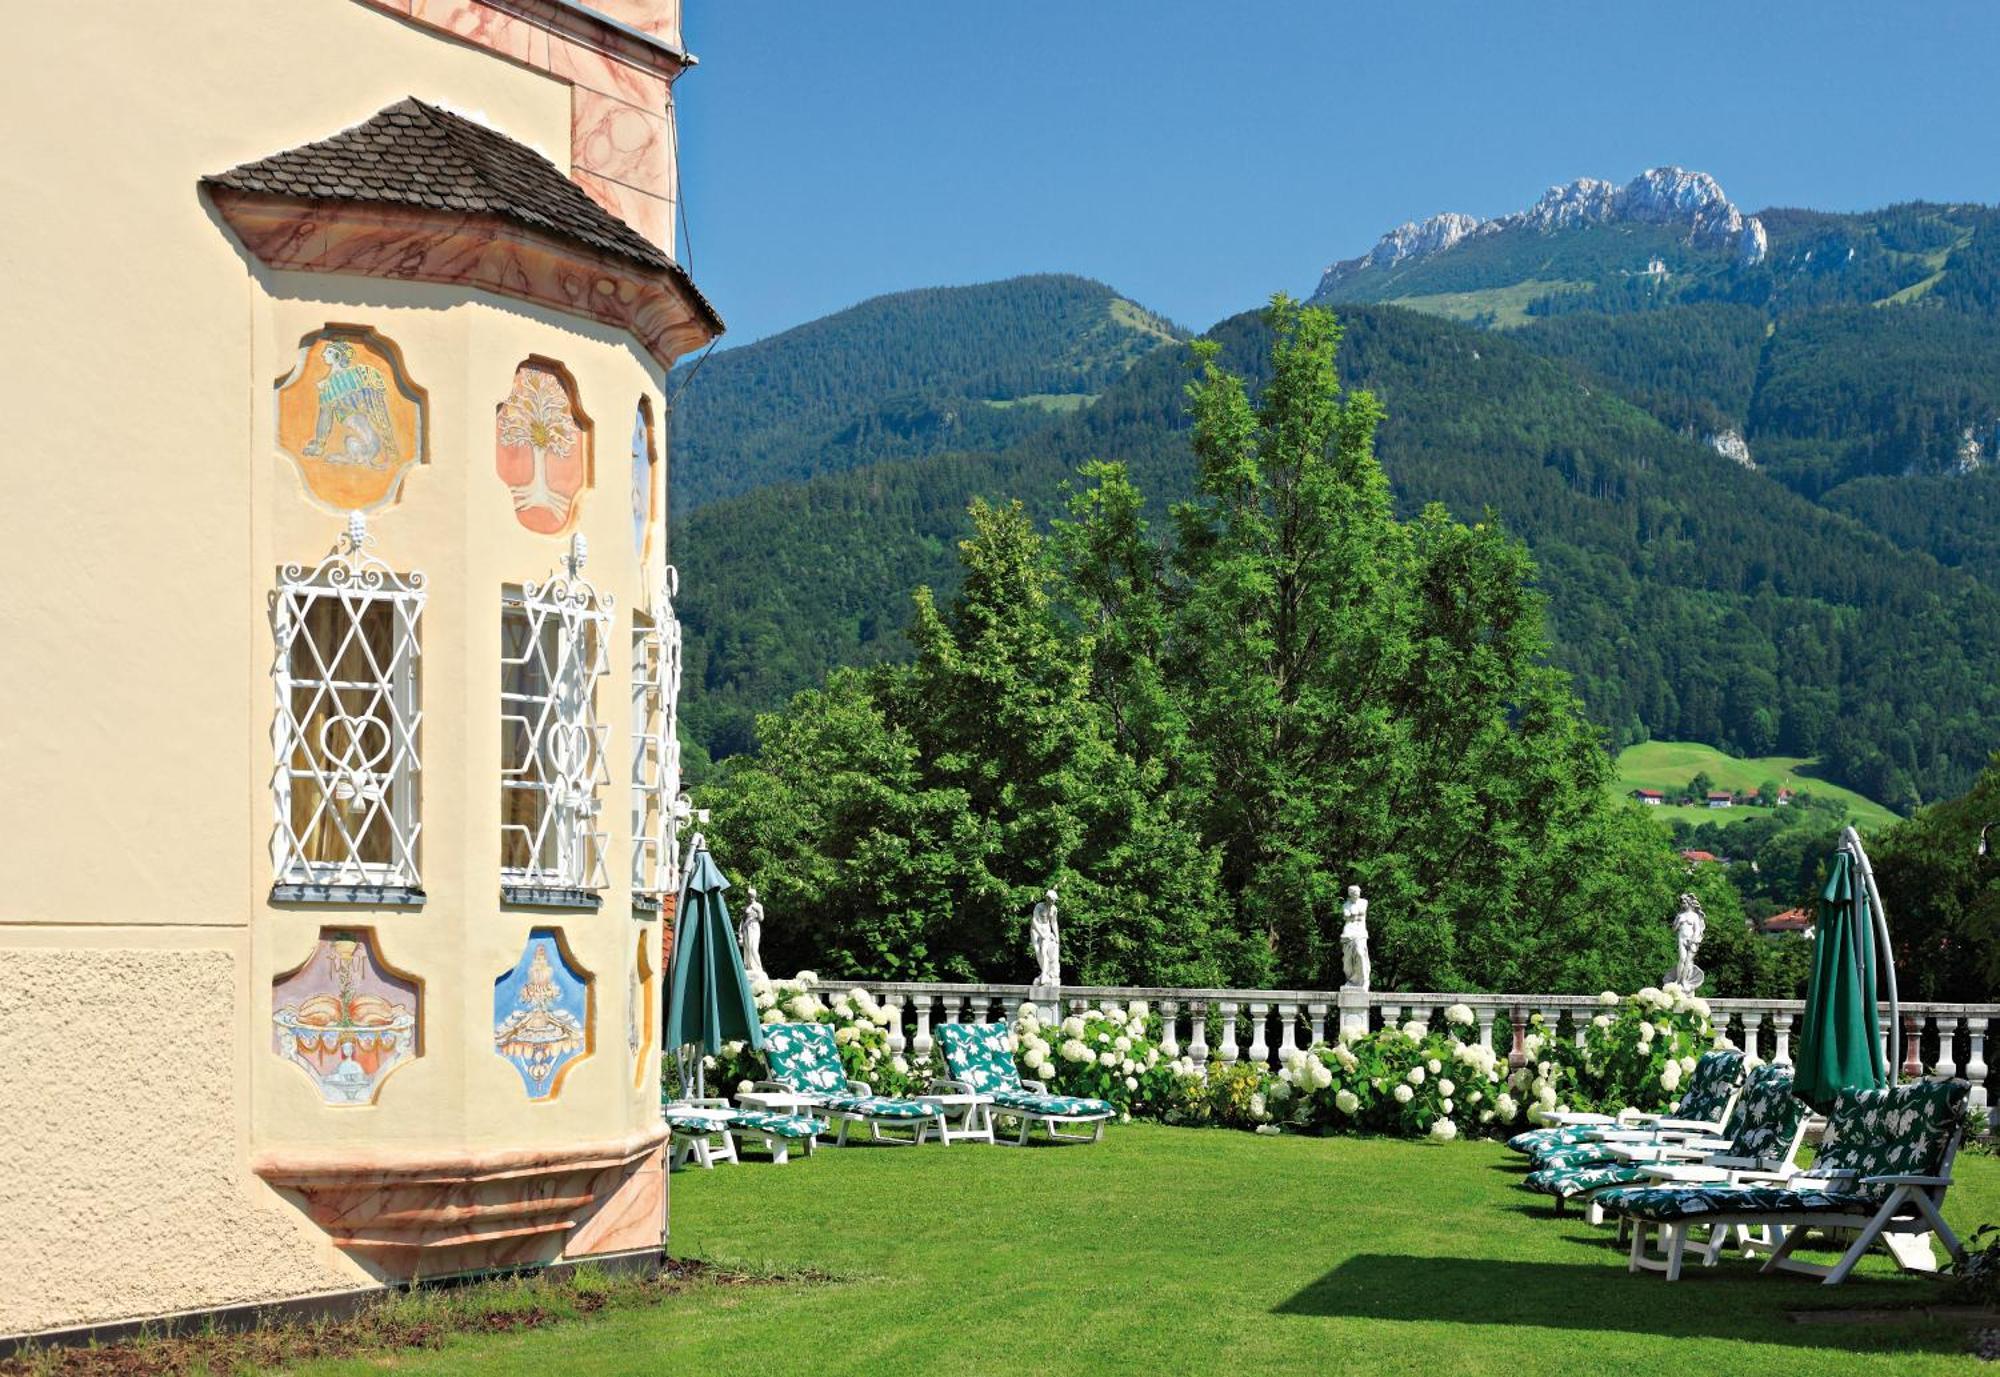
column 414, row 154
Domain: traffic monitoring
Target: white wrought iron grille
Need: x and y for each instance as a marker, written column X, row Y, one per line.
column 656, row 749
column 554, row 647
column 348, row 724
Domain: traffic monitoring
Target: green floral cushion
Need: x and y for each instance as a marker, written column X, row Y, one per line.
column 1767, row 1116
column 694, row 1121
column 1069, row 1106
column 1899, row 1130
column 803, row 1056
column 1577, row 1155
column 1665, row 1204
column 1711, row 1083
column 1542, row 1139
column 981, row 1055
column 778, row 1125
column 1565, row 1182
column 880, row 1107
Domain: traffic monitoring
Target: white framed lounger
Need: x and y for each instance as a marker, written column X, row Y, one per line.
column 980, row 1058
column 804, row 1062
column 1883, row 1172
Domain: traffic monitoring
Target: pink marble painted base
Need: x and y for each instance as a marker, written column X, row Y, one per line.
column 423, row 1215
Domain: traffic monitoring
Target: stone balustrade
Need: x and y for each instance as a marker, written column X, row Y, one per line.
column 1225, row 1027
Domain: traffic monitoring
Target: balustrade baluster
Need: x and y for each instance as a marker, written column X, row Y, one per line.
column 1484, row 1013
column 1228, row 1048
column 1913, row 1045
column 1392, row 1015
column 1975, row 1065
column 921, row 1044
column 1170, row 1014
column 1947, row 1057
column 1782, row 1029
column 1316, row 1016
column 1198, row 1035
column 1753, row 1019
column 1517, row 1054
column 1551, row 1024
column 1259, row 1050
column 1288, row 1030
column 898, row 1044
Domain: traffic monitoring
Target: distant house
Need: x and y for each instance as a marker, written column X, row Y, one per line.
column 1652, row 798
column 1701, row 858
column 1721, row 798
column 1792, row 921
column 1784, row 798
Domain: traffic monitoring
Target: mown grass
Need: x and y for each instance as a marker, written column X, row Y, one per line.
column 1191, row 1251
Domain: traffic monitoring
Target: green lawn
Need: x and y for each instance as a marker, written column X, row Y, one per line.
column 1167, row 1250
column 1670, row 765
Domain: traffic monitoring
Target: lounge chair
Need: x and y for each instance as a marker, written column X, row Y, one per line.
column 1704, row 1107
column 805, row 1067
column 1768, row 1125
column 980, row 1057
column 707, row 1132
column 1884, row 1170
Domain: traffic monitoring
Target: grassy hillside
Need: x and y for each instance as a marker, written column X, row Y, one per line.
column 1690, row 598
column 900, row 376
column 1669, row 765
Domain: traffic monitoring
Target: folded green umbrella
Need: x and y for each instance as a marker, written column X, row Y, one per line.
column 1840, row 1046
column 709, row 1000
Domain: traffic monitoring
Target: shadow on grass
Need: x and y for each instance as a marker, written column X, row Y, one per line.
column 1728, row 1302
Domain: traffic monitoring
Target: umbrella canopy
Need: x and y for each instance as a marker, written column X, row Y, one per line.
column 709, row 1001
column 1840, row 1046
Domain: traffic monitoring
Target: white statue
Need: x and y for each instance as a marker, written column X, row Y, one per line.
column 1046, row 939
column 750, row 935
column 1354, row 939
column 1690, row 926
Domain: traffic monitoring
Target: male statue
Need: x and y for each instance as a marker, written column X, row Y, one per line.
column 1354, row 939
column 750, row 936
column 1046, row 939
column 1690, row 927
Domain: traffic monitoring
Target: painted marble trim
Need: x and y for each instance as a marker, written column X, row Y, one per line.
column 350, row 419
column 346, row 1017
column 641, row 1008
column 544, row 1013
column 660, row 307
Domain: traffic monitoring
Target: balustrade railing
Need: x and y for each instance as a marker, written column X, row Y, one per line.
column 1225, row 1027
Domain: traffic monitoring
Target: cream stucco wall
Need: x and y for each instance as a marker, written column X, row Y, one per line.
column 150, row 509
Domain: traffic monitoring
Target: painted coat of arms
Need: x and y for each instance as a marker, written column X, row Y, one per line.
column 541, row 1014
column 642, row 478
column 350, row 419
column 344, row 1018
column 542, row 447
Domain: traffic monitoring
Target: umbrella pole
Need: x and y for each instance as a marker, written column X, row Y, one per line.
column 1851, row 839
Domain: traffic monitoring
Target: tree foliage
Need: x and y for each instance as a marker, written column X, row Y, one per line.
column 1201, row 741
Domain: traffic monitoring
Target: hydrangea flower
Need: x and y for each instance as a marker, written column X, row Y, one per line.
column 1416, row 1076
column 1404, row 1094
column 1444, row 1130
column 1346, row 1102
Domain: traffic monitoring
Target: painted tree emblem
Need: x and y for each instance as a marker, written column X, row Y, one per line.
column 543, row 448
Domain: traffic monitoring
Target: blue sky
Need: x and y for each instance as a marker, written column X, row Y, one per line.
column 1198, row 157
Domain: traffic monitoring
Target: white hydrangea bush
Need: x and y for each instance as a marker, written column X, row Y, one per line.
column 1102, row 1054
column 1406, row 1080
column 1637, row 1052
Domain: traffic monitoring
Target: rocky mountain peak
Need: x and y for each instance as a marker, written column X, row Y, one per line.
column 1660, row 196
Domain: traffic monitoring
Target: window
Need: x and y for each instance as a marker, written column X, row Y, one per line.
column 656, row 749
column 554, row 647
column 347, row 727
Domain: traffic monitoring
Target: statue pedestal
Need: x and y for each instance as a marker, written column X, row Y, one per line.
column 1047, row 998
column 1353, row 1012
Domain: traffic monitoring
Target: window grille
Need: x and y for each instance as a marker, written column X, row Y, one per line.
column 656, row 749
column 347, row 727
column 554, row 647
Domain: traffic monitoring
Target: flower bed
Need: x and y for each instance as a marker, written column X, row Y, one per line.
column 1410, row 1081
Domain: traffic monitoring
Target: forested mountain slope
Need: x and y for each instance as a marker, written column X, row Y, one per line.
column 1692, row 598
column 900, row 376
